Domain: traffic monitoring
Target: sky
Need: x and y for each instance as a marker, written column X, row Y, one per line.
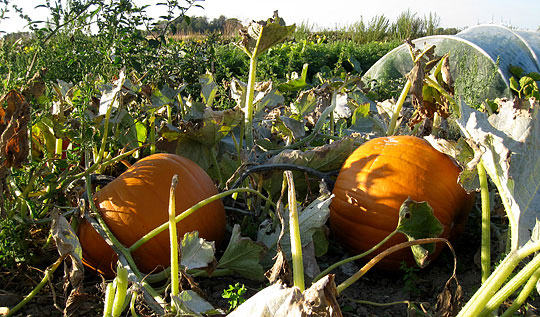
column 522, row 14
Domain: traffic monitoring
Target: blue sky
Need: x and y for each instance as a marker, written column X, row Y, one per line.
column 523, row 14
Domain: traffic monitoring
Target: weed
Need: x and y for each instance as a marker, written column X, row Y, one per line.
column 235, row 295
column 410, row 279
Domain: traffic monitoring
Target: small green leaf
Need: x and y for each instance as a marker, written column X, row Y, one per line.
column 417, row 221
column 514, row 84
column 534, row 75
column 516, row 71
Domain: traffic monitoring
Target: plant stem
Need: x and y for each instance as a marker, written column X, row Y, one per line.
column 109, row 299
column 488, row 289
column 248, row 121
column 191, row 210
column 50, row 270
column 121, row 281
column 356, row 276
column 485, row 250
column 523, row 295
column 354, row 258
column 173, row 239
column 401, row 100
column 152, row 136
column 294, row 228
column 517, row 281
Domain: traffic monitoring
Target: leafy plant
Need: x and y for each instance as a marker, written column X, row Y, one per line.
column 526, row 85
column 235, row 295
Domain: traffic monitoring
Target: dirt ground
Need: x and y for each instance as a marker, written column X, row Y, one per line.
column 419, row 286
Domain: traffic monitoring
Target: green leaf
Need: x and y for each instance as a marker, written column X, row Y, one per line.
column 305, row 104
column 516, row 71
column 417, row 221
column 534, row 75
column 296, row 83
column 509, row 146
column 260, row 36
column 310, row 220
column 526, row 81
column 196, row 252
column 514, row 84
column 242, row 256
column 189, row 303
column 208, row 88
column 209, row 131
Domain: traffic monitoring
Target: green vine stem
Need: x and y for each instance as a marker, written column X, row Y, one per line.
column 48, row 272
column 132, row 304
column 173, row 240
column 509, row 288
column 356, row 276
column 489, row 288
column 523, row 295
column 191, row 210
column 399, row 104
column 121, row 281
column 294, row 229
column 354, row 258
column 107, row 121
column 485, row 251
column 109, row 299
column 250, row 93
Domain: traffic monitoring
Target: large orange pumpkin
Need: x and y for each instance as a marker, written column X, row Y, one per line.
column 376, row 179
column 137, row 202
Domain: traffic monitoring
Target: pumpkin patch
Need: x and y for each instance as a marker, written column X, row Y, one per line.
column 137, row 202
column 376, row 179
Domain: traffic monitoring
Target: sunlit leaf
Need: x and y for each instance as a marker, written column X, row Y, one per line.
column 196, row 252
column 509, row 145
column 417, row 221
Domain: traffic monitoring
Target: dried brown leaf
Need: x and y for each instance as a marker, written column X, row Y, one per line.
column 14, row 118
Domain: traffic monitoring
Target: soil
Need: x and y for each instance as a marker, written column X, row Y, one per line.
column 419, row 286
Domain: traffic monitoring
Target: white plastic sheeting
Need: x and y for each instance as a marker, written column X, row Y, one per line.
column 480, row 58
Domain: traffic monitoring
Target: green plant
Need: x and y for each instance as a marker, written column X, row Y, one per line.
column 235, row 295
column 410, row 278
column 13, row 243
column 258, row 38
column 525, row 86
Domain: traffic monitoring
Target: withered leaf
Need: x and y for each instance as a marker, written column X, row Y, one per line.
column 14, row 118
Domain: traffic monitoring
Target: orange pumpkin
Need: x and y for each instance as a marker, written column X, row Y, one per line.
column 137, row 202
column 375, row 180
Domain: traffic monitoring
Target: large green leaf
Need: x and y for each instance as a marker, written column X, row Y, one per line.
column 260, row 36
column 417, row 221
column 242, row 256
column 509, row 146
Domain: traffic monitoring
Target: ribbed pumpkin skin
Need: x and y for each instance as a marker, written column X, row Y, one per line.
column 137, row 201
column 376, row 179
